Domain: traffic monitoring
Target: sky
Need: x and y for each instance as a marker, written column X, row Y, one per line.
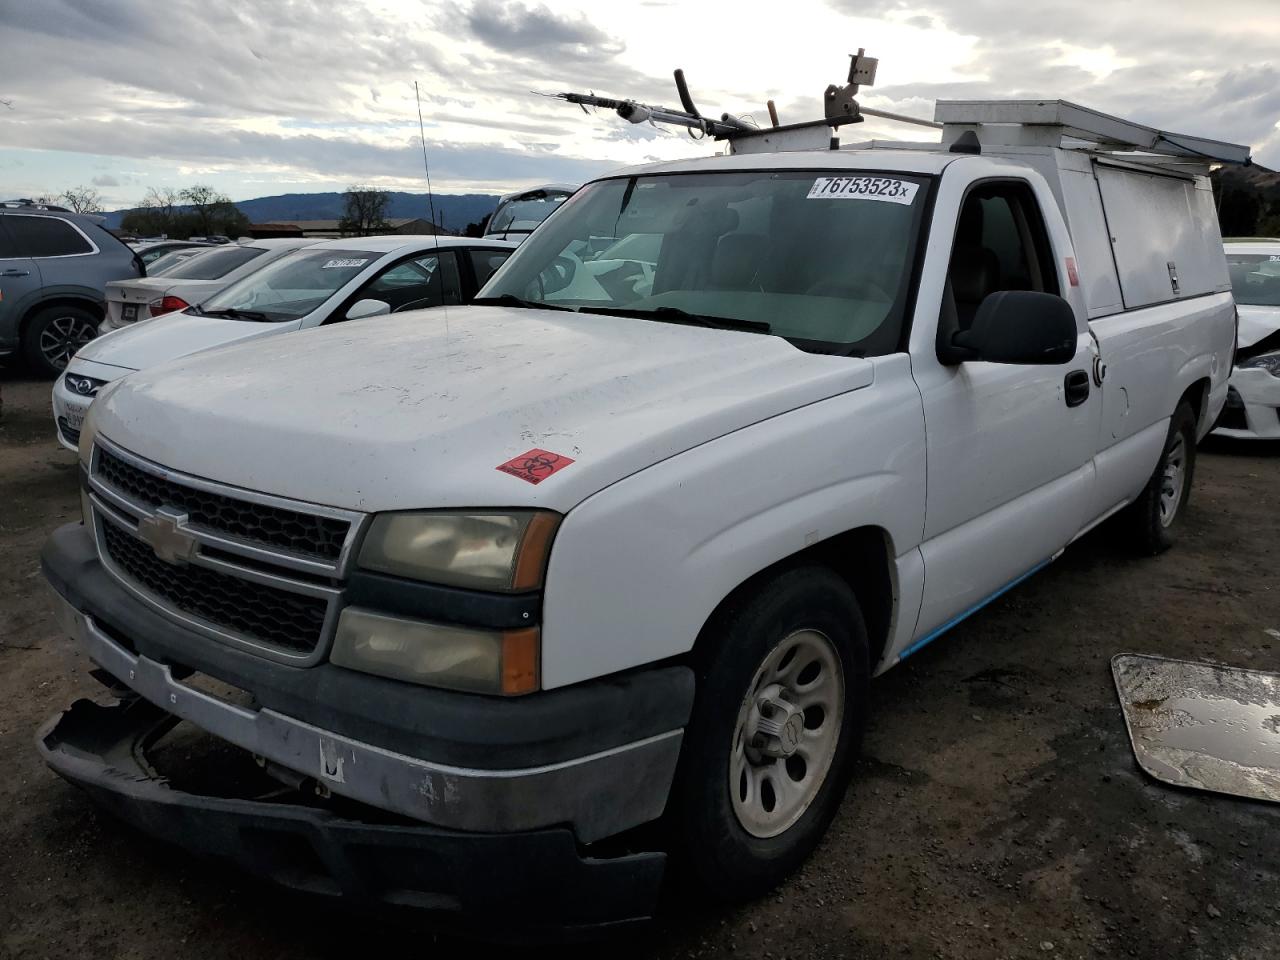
column 314, row 95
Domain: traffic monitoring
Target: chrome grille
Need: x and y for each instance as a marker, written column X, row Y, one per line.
column 306, row 534
column 244, row 568
column 253, row 610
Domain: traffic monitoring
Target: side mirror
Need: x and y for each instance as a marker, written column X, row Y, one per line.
column 368, row 308
column 1018, row 326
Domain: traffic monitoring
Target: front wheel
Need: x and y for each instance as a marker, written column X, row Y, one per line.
column 1154, row 518
column 776, row 726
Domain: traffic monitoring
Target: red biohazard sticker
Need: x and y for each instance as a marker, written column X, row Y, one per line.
column 535, row 466
column 1072, row 276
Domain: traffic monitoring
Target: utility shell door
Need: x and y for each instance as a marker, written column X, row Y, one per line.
column 19, row 281
column 1010, row 468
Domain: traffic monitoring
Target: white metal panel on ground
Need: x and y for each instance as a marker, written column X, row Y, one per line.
column 1163, row 236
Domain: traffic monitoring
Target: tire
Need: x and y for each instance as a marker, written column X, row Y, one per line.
column 54, row 334
column 732, row 847
column 1155, row 517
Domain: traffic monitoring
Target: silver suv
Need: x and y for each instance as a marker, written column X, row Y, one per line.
column 54, row 266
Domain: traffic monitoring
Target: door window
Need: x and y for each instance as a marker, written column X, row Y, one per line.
column 1001, row 244
column 429, row 280
column 485, row 262
column 46, row 237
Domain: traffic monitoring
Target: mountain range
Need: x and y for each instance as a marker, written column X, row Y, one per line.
column 453, row 211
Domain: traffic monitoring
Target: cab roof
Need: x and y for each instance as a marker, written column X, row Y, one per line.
column 902, row 161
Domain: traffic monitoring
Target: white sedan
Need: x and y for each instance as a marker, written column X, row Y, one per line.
column 190, row 282
column 325, row 282
column 1253, row 400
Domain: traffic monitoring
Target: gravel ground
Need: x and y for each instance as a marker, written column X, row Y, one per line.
column 998, row 811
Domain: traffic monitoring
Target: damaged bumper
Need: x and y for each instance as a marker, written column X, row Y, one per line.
column 534, row 880
column 533, row 781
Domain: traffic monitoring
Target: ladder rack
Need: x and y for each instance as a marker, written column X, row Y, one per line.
column 995, row 123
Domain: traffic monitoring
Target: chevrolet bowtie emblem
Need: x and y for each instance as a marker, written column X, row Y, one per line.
column 163, row 532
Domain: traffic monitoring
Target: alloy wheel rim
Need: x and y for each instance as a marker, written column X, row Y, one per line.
column 787, row 732
column 63, row 337
column 1172, row 480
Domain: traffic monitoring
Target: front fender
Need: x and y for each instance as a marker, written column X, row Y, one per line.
column 638, row 568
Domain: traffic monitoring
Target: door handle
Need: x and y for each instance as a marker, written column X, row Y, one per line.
column 16, row 273
column 1076, row 387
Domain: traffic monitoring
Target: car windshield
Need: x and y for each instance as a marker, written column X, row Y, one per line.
column 214, row 264
column 290, row 287
column 520, row 215
column 820, row 258
column 1255, row 278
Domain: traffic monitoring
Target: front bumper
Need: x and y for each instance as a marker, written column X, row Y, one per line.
column 69, row 410
column 1253, row 412
column 599, row 757
column 534, row 883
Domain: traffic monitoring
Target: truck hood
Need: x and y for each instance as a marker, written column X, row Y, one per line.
column 420, row 410
column 1256, row 323
column 150, row 342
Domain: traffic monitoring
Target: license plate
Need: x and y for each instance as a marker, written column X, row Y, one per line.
column 129, row 312
column 75, row 416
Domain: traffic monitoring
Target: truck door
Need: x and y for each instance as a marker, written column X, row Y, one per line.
column 1010, row 447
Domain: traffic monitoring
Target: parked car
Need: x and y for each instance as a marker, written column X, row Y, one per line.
column 614, row 546
column 323, row 282
column 1252, row 410
column 517, row 214
column 54, row 267
column 151, row 251
column 191, row 281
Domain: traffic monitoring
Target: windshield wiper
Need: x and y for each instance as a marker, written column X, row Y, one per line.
column 511, row 300
column 231, row 313
column 676, row 315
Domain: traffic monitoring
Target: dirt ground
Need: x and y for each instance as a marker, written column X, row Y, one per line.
column 998, row 811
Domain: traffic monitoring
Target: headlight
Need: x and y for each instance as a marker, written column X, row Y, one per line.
column 1269, row 362
column 461, row 658
column 504, row 551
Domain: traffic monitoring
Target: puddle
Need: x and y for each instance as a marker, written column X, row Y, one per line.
column 1201, row 725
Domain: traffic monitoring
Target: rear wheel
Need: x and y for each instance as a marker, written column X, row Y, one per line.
column 776, row 727
column 1155, row 517
column 54, row 335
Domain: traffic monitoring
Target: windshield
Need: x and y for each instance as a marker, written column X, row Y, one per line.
column 521, row 216
column 1255, row 278
column 214, row 264
column 823, row 259
column 290, row 287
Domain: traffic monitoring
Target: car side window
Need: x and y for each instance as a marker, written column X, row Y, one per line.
column 46, row 237
column 485, row 262
column 8, row 249
column 1001, row 244
column 429, row 280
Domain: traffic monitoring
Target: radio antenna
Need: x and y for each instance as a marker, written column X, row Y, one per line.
column 431, row 204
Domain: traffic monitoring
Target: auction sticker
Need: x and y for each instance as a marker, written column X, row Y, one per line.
column 535, row 466
column 885, row 189
column 342, row 264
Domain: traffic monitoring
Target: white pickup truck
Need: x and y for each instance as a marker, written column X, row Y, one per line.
column 600, row 570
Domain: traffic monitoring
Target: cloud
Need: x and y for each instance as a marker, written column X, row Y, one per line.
column 105, row 180
column 516, row 28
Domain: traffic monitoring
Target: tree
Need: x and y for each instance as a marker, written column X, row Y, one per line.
column 83, row 200
column 193, row 211
column 213, row 212
column 476, row 228
column 364, row 211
